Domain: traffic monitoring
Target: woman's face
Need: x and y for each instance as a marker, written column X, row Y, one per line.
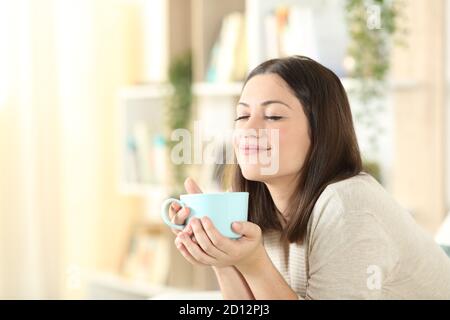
column 271, row 128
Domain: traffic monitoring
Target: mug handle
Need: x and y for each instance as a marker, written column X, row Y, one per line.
column 164, row 213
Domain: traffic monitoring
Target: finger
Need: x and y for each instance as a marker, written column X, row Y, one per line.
column 195, row 250
column 191, row 186
column 247, row 229
column 180, row 246
column 181, row 216
column 174, row 208
column 219, row 241
column 203, row 239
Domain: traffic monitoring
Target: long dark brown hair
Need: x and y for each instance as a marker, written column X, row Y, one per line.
column 333, row 154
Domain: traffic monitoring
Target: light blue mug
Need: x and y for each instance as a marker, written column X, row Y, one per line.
column 223, row 208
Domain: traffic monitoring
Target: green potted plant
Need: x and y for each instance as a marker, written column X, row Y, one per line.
column 374, row 27
column 178, row 113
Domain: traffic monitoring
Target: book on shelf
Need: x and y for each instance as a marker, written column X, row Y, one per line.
column 141, row 138
column 271, row 34
column 147, row 258
column 307, row 29
column 228, row 61
column 131, row 161
column 145, row 158
column 290, row 30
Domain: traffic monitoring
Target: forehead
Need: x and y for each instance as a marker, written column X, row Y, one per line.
column 265, row 87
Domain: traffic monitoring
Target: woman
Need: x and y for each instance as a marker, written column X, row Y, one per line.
column 319, row 227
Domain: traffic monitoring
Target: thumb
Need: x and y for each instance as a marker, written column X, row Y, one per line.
column 191, row 186
column 247, row 229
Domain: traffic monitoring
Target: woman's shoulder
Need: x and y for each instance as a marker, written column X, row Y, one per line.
column 360, row 182
column 351, row 212
column 358, row 193
column 359, row 199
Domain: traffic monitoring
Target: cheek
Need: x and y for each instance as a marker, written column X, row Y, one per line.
column 294, row 145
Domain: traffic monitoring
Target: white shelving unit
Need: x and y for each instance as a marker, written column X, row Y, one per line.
column 214, row 101
column 139, row 105
column 143, row 106
column 329, row 27
column 206, row 22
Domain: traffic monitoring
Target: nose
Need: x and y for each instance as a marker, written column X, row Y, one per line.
column 252, row 129
column 254, row 122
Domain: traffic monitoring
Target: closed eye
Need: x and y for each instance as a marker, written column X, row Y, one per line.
column 241, row 117
column 274, row 118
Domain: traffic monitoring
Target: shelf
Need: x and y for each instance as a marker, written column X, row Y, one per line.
column 140, row 124
column 399, row 84
column 207, row 18
column 146, row 91
column 217, row 89
column 110, row 286
column 114, row 286
column 205, row 89
column 164, row 90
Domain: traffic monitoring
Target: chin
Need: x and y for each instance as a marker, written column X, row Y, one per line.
column 253, row 173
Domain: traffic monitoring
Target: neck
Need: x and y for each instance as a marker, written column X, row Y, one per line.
column 281, row 190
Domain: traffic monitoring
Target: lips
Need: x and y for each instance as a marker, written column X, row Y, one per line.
column 251, row 149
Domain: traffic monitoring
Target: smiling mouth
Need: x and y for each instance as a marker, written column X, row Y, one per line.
column 248, row 149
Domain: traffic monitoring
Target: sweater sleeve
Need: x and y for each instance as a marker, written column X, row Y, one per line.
column 350, row 255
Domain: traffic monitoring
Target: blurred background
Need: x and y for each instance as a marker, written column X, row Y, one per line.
column 90, row 91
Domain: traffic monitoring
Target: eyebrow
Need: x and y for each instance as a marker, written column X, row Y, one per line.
column 266, row 103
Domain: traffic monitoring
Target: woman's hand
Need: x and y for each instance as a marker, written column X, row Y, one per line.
column 212, row 248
